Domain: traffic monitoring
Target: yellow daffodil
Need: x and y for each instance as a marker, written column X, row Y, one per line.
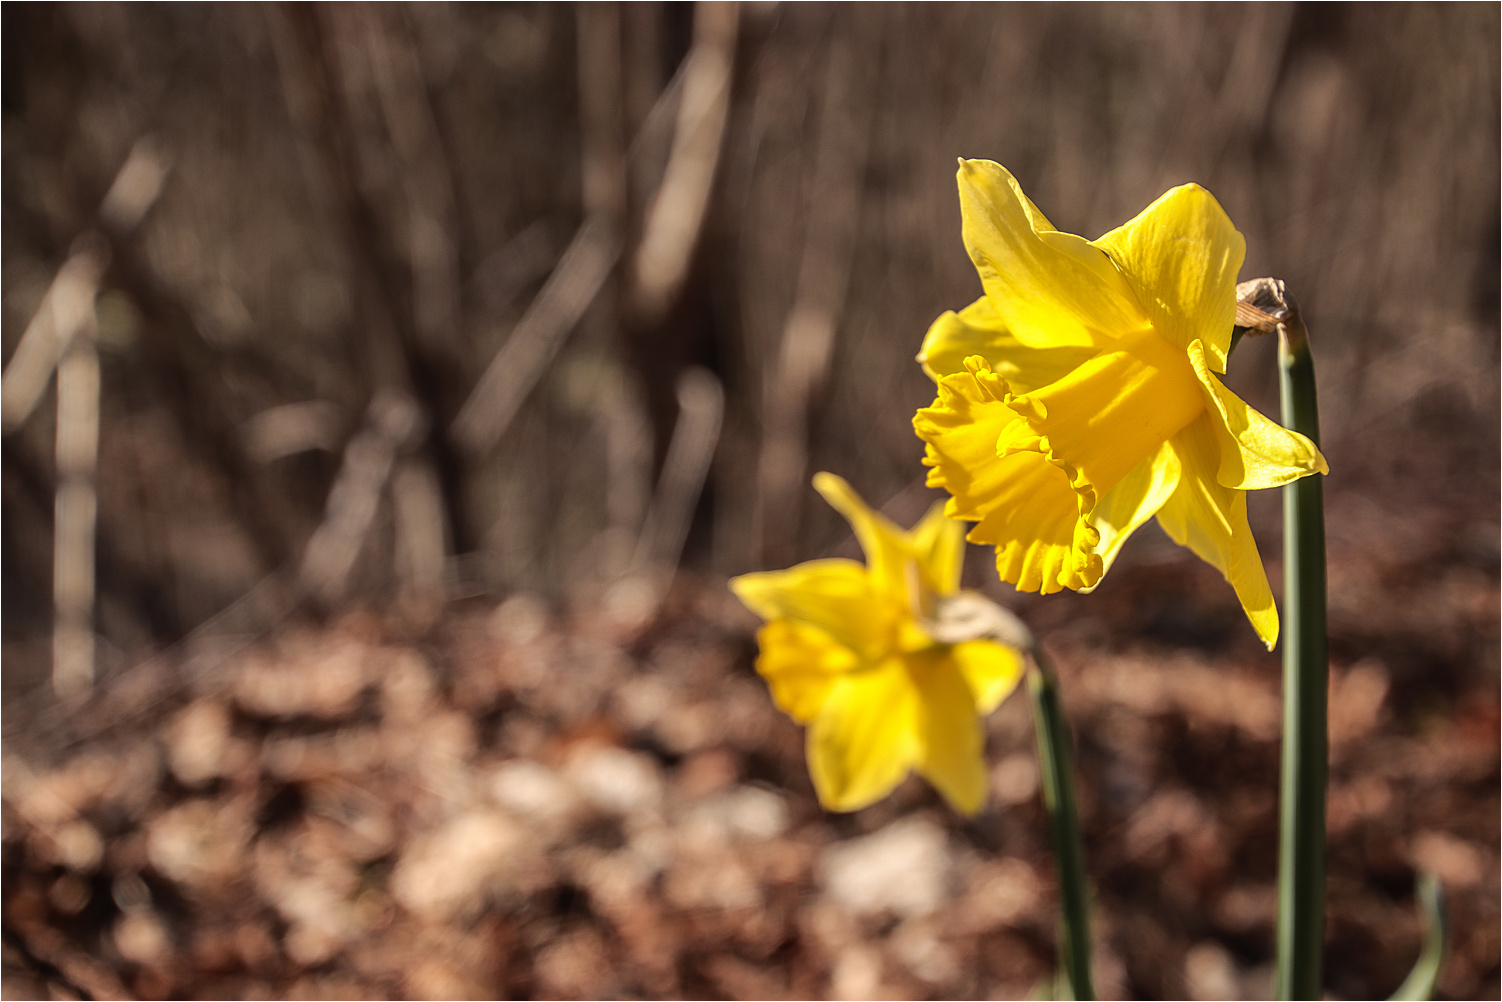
column 1080, row 396
column 843, row 652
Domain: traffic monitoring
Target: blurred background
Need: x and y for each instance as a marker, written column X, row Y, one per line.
column 389, row 391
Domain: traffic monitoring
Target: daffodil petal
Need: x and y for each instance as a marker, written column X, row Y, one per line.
column 801, row 664
column 1181, row 256
column 886, row 546
column 978, row 330
column 866, row 737
column 991, row 670
column 1050, row 289
column 1255, row 451
column 835, row 595
column 939, row 545
column 1135, row 499
column 1210, row 519
column 952, row 755
column 1025, row 506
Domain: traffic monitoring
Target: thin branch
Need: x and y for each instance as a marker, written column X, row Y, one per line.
column 77, row 504
column 677, row 212
column 524, row 357
column 131, row 195
column 829, row 249
column 392, row 422
column 51, row 330
column 701, row 408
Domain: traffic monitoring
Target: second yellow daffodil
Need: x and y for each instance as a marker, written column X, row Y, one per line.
column 1080, row 396
column 844, row 651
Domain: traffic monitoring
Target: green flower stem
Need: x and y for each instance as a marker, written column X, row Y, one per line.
column 1306, row 670
column 1056, row 766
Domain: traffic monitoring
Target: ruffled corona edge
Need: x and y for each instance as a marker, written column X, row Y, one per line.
column 985, row 446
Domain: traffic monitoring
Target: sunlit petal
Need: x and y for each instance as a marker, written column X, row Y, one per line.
column 1135, row 499
column 1255, row 452
column 1181, row 255
column 1093, row 398
column 1112, row 412
column 978, row 330
column 866, row 737
column 953, row 743
column 1048, row 288
column 1210, row 519
column 886, row 546
column 835, row 595
column 938, row 543
column 849, row 653
column 1042, row 543
column 991, row 670
column 801, row 664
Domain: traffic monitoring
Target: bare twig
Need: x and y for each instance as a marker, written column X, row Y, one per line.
column 131, row 195
column 602, row 117
column 677, row 211
column 135, row 188
column 829, row 248
column 288, row 429
column 77, row 503
column 537, row 337
column 392, row 422
column 51, row 330
column 61, row 336
column 421, row 550
column 400, row 89
column 701, row 408
column 346, row 72
column 591, row 257
column 628, row 473
column 702, row 91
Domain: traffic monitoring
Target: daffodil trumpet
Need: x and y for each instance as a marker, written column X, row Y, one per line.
column 1081, row 395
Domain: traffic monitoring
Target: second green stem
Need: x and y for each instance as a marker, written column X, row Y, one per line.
column 1056, row 765
column 1306, row 673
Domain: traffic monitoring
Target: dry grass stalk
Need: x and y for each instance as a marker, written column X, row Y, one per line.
column 808, row 337
column 48, row 335
column 392, row 423
column 701, row 406
column 516, row 368
column 677, row 211
column 76, row 513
